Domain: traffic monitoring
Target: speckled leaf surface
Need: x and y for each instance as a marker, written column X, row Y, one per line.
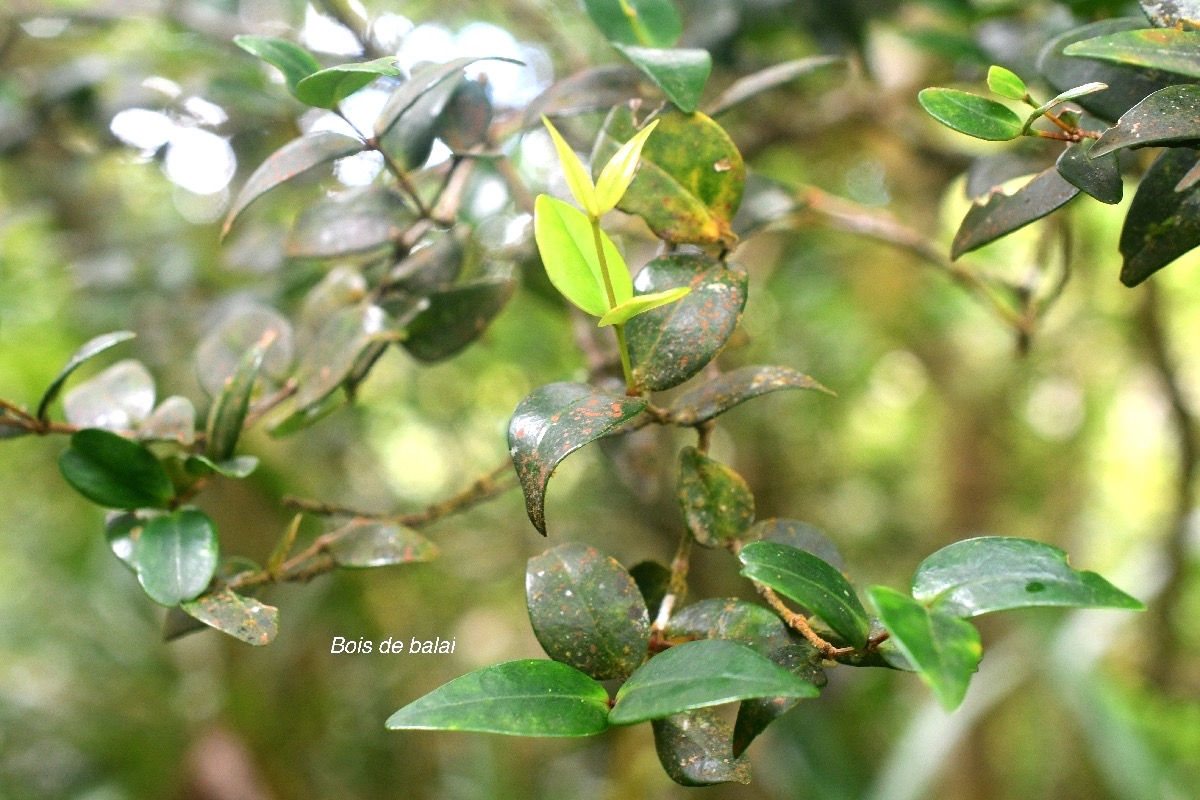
column 243, row 618
column 331, row 358
column 371, row 543
column 554, row 421
column 1001, row 214
column 1170, row 115
column 694, row 749
column 1099, row 176
column 690, row 180
column 732, row 388
column 586, row 611
column 1165, row 49
column 716, row 503
column 669, row 344
column 1171, row 13
column 1162, row 224
column 455, row 317
column 802, row 660
column 728, row 618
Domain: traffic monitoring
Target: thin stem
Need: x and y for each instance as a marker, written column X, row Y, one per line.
column 402, row 178
column 798, row 623
column 677, row 587
column 626, row 365
column 619, row 329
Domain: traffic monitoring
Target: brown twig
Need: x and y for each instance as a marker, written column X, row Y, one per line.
column 799, row 623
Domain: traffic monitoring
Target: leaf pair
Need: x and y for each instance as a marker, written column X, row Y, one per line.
column 308, row 83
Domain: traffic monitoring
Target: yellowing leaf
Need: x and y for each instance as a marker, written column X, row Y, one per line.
column 618, row 172
column 578, row 179
column 644, row 302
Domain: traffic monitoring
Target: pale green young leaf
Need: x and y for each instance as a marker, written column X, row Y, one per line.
column 619, row 171
column 1006, row 83
column 567, row 245
column 644, row 302
column 578, row 179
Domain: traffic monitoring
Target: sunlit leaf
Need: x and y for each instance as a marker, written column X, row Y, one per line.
column 680, row 72
column 237, row 467
column 291, row 59
column 117, row 399
column 115, row 472
column 241, row 617
column 89, row 350
column 575, row 173
column 971, row 114
column 520, row 698
column 176, row 556
column 173, row 420
column 618, row 173
column 328, row 87
column 650, row 23
column 640, row 303
column 1006, row 83
column 567, row 245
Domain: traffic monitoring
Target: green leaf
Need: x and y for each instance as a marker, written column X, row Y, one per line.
column 1006, row 83
column 1128, row 85
column 114, row 472
column 348, row 223
column 1169, row 115
column 1070, row 94
column 455, row 317
column 650, row 23
column 409, row 140
column 223, row 346
column 715, row 501
column 309, row 415
column 576, row 174
column 228, row 411
column 753, row 625
column 176, row 556
column 1001, row 214
column 772, row 77
column 412, row 90
column 236, row 468
column 328, row 87
column 331, row 358
column 568, row 247
column 465, row 121
column 1100, row 177
column 802, row 660
column 117, row 399
column 644, row 302
column 690, row 179
column 619, row 171
column 737, row 386
column 292, row 60
column 586, row 611
column 801, row 536
column 371, row 543
column 944, row 649
column 121, row 530
column 1162, row 224
column 294, row 158
column 530, row 697
column 243, row 618
column 554, row 421
column 1172, row 13
column 1166, row 49
column 700, row 674
column 971, row 114
column 694, row 749
column 669, row 344
column 997, row 573
column 174, row 420
column 811, row 582
column 91, row 349
column 681, row 73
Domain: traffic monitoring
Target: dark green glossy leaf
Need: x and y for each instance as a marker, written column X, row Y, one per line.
column 649, row 23
column 1169, row 115
column 728, row 618
column 1165, row 49
column 410, row 139
column 554, row 421
column 811, row 582
column 370, row 543
column 1127, row 84
column 1162, row 224
column 681, row 73
column 237, row 467
column 590, row 90
column 294, row 158
column 412, row 90
column 693, row 748
column 228, row 411
column 802, row 660
column 1171, row 13
column 356, row 221
column 455, row 317
column 89, row 350
column 243, row 618
column 292, row 60
column 224, row 345
column 566, row 242
column 653, row 582
column 772, row 77
column 1001, row 214
column 174, row 420
column 690, row 179
column 944, row 649
column 530, row 697
column 176, row 556
column 997, row 573
column 733, row 388
column 1099, row 176
column 114, row 472
column 801, row 536
column 332, row 356
column 971, row 114
column 434, row 266
column 328, row 87
column 700, row 674
column 117, row 399
column 586, row 611
column 716, row 503
column 670, row 344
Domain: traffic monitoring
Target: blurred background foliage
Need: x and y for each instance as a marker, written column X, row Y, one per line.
column 124, row 125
